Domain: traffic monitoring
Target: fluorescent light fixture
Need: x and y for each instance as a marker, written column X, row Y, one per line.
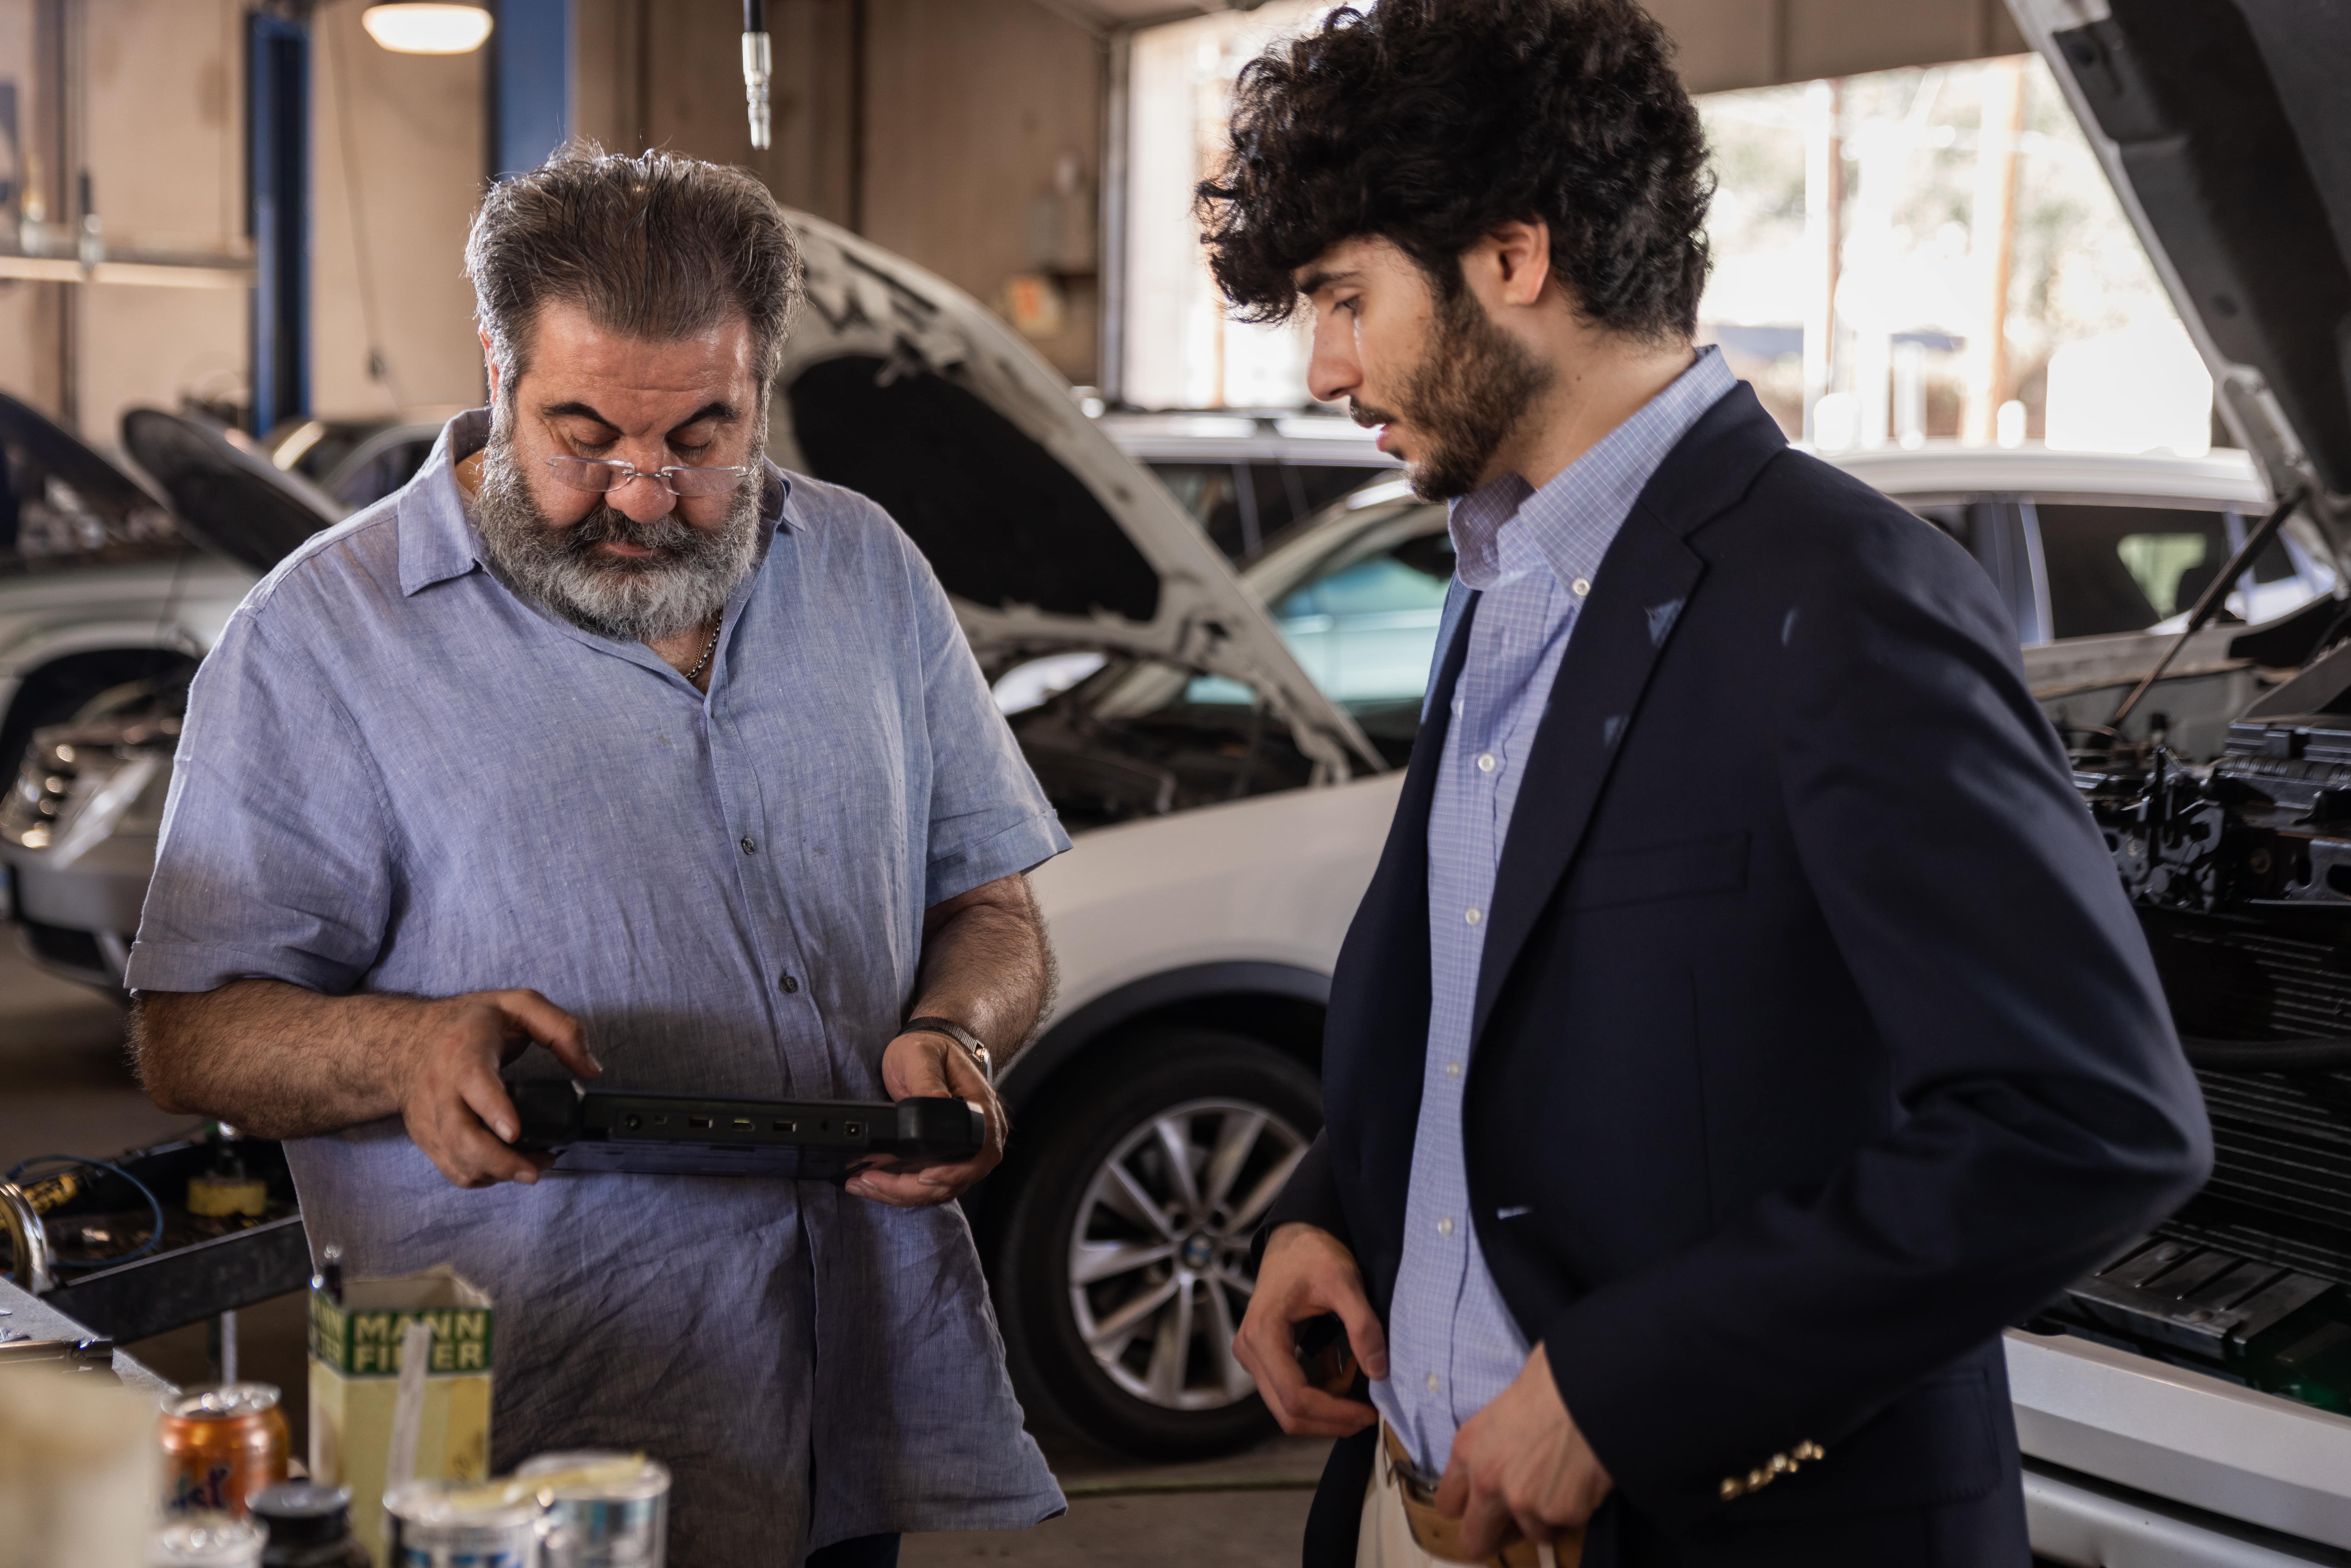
column 414, row 28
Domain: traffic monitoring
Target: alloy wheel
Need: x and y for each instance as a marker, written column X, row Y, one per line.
column 1158, row 1260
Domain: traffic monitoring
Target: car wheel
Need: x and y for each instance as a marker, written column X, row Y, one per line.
column 1123, row 1266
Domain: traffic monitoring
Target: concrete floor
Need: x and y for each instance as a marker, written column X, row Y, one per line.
column 67, row 1088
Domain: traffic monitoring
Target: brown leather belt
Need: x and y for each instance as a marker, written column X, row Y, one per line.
column 1441, row 1537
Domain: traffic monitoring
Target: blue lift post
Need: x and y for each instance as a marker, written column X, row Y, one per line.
column 529, row 82
column 278, row 195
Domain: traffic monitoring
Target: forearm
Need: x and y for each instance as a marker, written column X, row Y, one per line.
column 277, row 1061
column 986, row 965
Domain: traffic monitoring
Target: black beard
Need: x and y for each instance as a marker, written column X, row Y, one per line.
column 1465, row 398
column 682, row 585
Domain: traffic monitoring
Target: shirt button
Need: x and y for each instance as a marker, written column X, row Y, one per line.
column 1452, row 1070
column 790, row 985
column 750, row 846
column 1486, row 762
column 1456, row 708
column 1580, row 587
column 1445, row 1226
column 1432, row 1382
column 1473, row 916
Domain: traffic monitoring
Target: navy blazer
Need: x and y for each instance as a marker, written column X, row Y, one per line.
column 1815, row 1040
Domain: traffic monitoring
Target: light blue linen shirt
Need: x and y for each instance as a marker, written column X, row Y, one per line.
column 1532, row 554
column 398, row 775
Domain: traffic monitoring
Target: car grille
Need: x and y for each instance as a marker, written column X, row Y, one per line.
column 2280, row 1187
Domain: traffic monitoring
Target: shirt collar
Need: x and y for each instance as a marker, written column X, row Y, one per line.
column 1571, row 520
column 438, row 540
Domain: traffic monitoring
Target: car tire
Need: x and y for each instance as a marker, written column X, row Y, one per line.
column 1121, row 1322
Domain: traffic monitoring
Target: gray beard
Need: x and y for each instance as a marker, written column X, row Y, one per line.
column 684, row 585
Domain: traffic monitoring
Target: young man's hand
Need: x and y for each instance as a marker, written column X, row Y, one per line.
column 926, row 1064
column 1307, row 1272
column 454, row 1106
column 1520, row 1461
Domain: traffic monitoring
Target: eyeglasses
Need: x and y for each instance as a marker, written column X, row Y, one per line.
column 605, row 474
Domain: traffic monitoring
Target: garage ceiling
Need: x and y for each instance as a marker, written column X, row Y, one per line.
column 1727, row 43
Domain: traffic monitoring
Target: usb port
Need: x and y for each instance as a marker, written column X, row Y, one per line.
column 700, row 1123
column 786, row 1126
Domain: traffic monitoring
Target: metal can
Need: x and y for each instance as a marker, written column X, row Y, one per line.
column 459, row 1524
column 222, row 1443
column 206, row 1541
column 612, row 1509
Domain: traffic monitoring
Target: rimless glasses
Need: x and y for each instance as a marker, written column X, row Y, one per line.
column 605, row 474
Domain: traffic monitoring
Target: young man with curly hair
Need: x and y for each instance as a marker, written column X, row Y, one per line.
column 1745, row 1021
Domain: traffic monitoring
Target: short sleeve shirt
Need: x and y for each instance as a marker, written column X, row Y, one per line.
column 399, row 775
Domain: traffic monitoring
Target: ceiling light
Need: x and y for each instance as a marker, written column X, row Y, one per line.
column 412, row 27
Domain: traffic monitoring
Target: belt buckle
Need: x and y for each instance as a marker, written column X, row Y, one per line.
column 1441, row 1537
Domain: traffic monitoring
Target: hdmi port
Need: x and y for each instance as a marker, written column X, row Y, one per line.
column 742, row 1124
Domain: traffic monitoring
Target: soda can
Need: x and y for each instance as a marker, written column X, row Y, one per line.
column 206, row 1541
column 222, row 1443
column 460, row 1524
column 611, row 1510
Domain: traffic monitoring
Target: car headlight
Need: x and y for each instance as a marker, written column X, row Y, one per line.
column 83, row 782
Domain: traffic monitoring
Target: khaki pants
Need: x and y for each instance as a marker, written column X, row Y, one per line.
column 1395, row 1504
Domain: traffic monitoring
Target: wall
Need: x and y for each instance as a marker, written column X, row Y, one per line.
column 973, row 112
column 397, row 145
column 163, row 133
column 972, row 104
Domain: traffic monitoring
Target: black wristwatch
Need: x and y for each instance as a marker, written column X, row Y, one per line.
column 972, row 1043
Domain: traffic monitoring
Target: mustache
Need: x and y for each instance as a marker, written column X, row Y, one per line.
column 667, row 535
column 1368, row 416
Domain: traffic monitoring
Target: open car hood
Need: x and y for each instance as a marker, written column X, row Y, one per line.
column 227, row 499
column 1046, row 537
column 42, row 454
column 2225, row 125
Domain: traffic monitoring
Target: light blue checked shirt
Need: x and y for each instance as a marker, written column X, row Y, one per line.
column 1532, row 555
column 398, row 775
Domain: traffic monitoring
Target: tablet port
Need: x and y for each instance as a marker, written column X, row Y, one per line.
column 699, row 1123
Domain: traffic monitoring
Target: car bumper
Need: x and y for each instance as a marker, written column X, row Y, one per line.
column 2085, row 1523
column 79, row 918
column 2135, row 1464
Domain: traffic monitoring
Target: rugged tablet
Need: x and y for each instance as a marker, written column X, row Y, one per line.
column 600, row 1130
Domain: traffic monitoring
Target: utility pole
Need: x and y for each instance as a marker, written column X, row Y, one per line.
column 1994, row 244
column 1823, row 236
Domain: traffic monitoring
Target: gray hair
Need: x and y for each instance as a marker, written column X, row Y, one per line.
column 654, row 246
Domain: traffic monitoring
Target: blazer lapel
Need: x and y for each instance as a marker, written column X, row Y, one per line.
column 1638, row 599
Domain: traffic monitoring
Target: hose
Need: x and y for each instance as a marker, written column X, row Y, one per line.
column 2318, row 1055
column 154, row 1238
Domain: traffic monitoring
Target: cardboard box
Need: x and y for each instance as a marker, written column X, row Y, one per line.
column 355, row 1366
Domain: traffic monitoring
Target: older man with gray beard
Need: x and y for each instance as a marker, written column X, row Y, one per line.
column 606, row 737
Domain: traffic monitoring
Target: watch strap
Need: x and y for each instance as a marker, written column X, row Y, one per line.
column 972, row 1044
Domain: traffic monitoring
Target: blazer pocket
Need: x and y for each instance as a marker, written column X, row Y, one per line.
column 1680, row 870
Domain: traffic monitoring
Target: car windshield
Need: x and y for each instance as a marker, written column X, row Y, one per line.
column 1363, row 625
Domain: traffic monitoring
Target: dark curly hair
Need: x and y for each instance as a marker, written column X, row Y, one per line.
column 1429, row 123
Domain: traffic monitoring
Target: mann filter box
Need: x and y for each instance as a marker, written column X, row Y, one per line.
column 356, row 1363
